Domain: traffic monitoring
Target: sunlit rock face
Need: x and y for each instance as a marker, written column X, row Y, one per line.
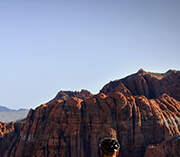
column 6, row 128
column 74, row 127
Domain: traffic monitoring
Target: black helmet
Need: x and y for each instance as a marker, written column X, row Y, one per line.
column 109, row 145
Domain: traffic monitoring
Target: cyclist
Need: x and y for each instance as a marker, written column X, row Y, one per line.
column 109, row 147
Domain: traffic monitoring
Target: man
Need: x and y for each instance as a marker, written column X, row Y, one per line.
column 109, row 147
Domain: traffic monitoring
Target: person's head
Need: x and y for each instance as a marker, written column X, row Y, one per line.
column 109, row 147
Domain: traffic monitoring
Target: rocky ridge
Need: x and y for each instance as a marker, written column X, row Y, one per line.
column 151, row 85
column 143, row 120
column 65, row 95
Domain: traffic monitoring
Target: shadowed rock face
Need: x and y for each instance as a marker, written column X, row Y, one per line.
column 74, row 127
column 168, row 148
column 8, row 133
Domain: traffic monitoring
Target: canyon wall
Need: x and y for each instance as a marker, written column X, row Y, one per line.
column 144, row 124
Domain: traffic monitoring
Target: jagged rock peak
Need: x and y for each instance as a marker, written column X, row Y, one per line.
column 141, row 71
column 155, row 74
column 171, row 71
column 65, row 95
column 148, row 84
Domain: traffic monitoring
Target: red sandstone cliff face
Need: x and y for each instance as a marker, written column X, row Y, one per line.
column 168, row 148
column 148, row 84
column 6, row 128
column 9, row 132
column 74, row 127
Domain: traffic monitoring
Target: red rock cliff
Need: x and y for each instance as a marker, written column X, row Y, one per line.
column 74, row 127
column 148, row 84
column 8, row 132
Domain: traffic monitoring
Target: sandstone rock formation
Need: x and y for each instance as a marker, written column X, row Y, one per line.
column 64, row 95
column 73, row 127
column 8, row 132
column 169, row 148
column 148, row 84
column 6, row 128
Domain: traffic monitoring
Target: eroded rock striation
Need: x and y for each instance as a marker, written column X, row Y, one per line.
column 74, row 127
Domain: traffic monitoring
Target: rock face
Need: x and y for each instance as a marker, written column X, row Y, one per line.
column 64, row 95
column 8, row 132
column 74, row 127
column 6, row 128
column 148, row 84
column 166, row 148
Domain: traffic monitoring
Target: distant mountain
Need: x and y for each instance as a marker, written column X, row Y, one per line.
column 10, row 115
column 5, row 109
column 13, row 116
column 23, row 109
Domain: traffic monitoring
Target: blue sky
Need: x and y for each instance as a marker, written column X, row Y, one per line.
column 47, row 46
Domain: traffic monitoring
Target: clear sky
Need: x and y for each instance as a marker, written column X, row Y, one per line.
column 52, row 45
